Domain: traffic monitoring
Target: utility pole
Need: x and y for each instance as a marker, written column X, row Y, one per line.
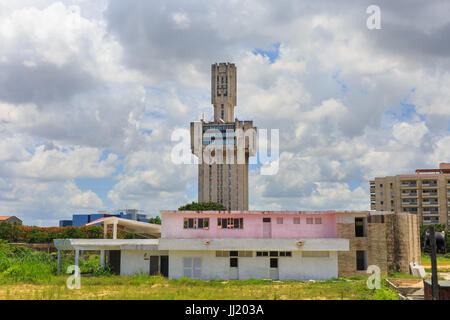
column 434, row 275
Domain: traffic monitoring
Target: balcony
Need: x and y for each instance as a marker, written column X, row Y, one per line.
column 409, row 194
column 408, row 184
column 430, row 212
column 410, row 210
column 429, row 184
column 430, row 203
column 410, row 203
column 432, row 220
column 430, row 193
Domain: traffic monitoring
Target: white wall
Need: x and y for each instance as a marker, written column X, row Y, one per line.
column 290, row 268
column 132, row 262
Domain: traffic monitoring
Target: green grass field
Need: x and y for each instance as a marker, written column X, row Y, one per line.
column 158, row 288
column 27, row 274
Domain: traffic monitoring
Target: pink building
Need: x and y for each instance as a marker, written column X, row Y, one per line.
column 284, row 245
column 249, row 224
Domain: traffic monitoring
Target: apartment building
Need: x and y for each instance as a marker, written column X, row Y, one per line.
column 425, row 193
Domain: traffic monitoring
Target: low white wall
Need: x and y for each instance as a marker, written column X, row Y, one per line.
column 290, row 268
column 132, row 262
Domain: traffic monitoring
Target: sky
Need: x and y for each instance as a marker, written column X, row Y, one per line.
column 91, row 92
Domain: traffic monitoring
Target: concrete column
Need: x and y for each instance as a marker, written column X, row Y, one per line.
column 59, row 262
column 102, row 258
column 77, row 257
column 105, row 230
column 115, row 230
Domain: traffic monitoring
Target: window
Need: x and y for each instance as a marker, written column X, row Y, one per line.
column 273, row 262
column 361, row 260
column 273, row 254
column 266, row 219
column 233, row 262
column 226, row 254
column 285, row 254
column 309, row 220
column 318, row 221
column 296, row 220
column 245, row 254
column 192, row 267
column 221, row 254
column 279, row 220
column 381, row 202
column 315, row 254
column 381, row 185
column 196, row 223
column 230, row 223
column 360, row 227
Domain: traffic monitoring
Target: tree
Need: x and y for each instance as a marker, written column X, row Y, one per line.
column 155, row 220
column 203, row 206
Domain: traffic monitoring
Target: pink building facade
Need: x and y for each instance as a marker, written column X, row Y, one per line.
column 249, row 224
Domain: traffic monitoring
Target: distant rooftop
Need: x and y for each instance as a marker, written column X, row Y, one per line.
column 443, row 168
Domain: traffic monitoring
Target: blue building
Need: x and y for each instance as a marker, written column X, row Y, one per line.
column 81, row 219
column 65, row 223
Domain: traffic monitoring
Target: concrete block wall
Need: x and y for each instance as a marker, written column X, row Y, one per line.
column 391, row 245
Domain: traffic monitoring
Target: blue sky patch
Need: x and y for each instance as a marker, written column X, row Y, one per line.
column 273, row 54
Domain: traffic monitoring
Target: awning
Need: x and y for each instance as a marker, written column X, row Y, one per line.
column 142, row 228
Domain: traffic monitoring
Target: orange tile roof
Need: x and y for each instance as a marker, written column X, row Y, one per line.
column 4, row 218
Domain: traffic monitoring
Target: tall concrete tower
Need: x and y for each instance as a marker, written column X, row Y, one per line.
column 223, row 146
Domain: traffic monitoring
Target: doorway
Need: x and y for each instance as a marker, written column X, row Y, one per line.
column 273, row 271
column 165, row 266
column 114, row 261
column 267, row 228
column 234, row 265
column 159, row 265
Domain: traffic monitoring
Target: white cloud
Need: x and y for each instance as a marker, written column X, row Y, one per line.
column 409, row 133
column 121, row 77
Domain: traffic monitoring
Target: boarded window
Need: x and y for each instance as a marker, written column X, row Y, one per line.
column 187, row 267
column 192, row 267
column 245, row 254
column 222, row 254
column 318, row 220
column 296, row 220
column 279, row 220
column 309, row 220
column 315, row 254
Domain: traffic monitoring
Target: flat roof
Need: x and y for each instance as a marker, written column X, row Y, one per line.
column 131, row 226
column 100, row 244
column 263, row 212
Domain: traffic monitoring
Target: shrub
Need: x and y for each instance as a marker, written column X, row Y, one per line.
column 28, row 234
column 203, row 206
